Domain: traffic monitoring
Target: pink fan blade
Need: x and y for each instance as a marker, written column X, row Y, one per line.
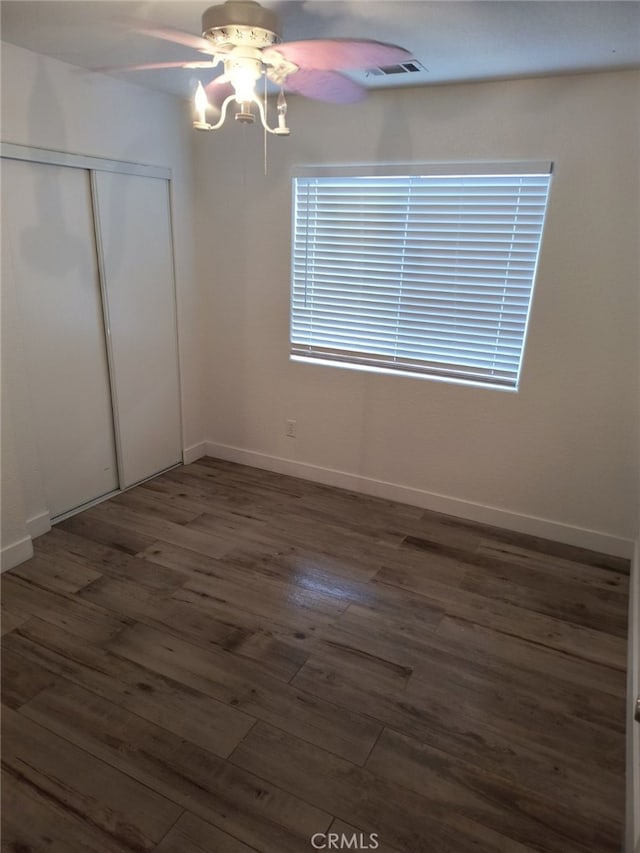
column 168, row 34
column 150, row 65
column 327, row 86
column 339, row 54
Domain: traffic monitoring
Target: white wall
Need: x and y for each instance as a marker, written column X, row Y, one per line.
column 48, row 104
column 561, row 449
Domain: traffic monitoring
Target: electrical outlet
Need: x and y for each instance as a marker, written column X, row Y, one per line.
column 291, row 429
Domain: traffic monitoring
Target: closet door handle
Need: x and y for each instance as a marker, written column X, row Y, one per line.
column 636, row 710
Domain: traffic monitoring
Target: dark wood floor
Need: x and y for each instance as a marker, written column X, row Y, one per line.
column 228, row 660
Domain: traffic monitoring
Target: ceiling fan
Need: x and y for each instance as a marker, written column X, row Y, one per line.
column 245, row 38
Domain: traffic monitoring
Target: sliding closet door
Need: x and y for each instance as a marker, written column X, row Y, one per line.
column 47, row 225
column 137, row 270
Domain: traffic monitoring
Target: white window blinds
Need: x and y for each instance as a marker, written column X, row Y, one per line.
column 428, row 274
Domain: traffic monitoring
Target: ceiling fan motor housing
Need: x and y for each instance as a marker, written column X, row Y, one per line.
column 240, row 23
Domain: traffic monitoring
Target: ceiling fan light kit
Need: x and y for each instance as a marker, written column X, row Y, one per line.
column 239, row 30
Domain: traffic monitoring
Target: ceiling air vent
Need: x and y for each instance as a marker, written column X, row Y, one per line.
column 410, row 67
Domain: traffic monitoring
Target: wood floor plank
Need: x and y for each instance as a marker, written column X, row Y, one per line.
column 484, row 643
column 186, row 712
column 273, row 564
column 354, row 516
column 522, row 719
column 268, row 597
column 446, row 530
column 401, row 818
column 70, row 612
column 500, row 536
column 32, row 823
column 274, row 658
column 155, row 527
column 231, row 525
column 601, row 610
column 151, row 505
column 527, row 680
column 115, row 536
column 539, row 677
column 305, row 531
column 56, row 573
column 126, row 811
column 298, row 531
column 180, row 492
column 300, row 527
column 191, row 834
column 391, row 610
column 499, row 749
column 548, row 584
column 21, row 678
column 463, row 691
column 356, row 656
column 375, row 648
column 283, row 653
column 212, row 622
column 539, row 569
column 9, row 620
column 108, row 560
column 297, row 567
column 240, row 493
column 236, row 801
column 559, row 549
column 243, row 553
column 461, row 788
column 281, row 646
column 596, row 646
column 321, row 570
column 243, row 685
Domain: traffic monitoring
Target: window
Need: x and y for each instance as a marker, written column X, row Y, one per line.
column 428, row 274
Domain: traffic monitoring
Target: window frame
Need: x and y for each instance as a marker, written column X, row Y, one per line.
column 380, row 363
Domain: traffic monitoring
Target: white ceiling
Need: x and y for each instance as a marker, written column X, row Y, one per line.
column 455, row 41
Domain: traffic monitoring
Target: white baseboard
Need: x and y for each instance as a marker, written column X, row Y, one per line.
column 12, row 555
column 545, row 528
column 632, row 830
column 39, row 524
column 18, row 552
column 196, row 451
